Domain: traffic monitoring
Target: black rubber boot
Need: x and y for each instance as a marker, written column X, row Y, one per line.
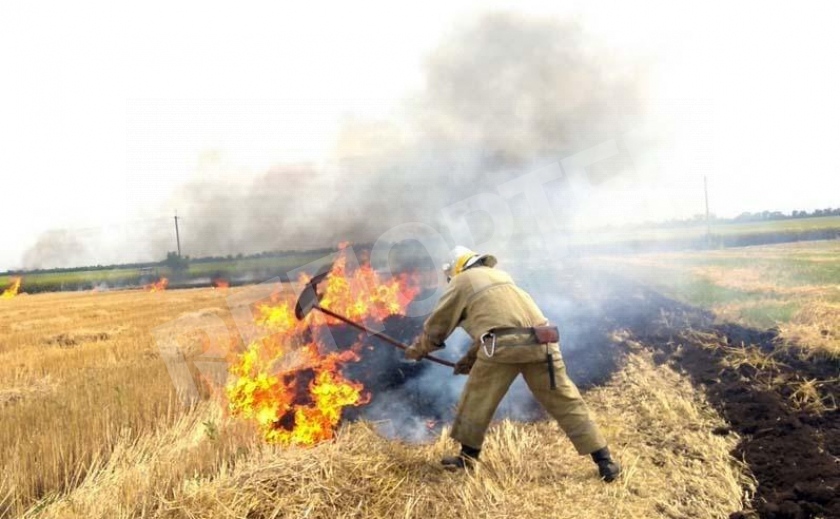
column 464, row 460
column 607, row 468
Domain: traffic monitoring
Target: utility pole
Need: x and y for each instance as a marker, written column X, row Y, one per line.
column 708, row 221
column 178, row 235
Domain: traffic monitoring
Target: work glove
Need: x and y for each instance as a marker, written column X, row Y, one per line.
column 415, row 351
column 465, row 364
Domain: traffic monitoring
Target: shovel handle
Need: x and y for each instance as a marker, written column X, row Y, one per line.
column 387, row 338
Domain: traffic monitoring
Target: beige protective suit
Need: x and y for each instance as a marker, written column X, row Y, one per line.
column 481, row 299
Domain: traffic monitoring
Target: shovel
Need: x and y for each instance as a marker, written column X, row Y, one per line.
column 309, row 300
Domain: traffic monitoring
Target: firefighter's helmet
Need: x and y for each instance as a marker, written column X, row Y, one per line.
column 462, row 258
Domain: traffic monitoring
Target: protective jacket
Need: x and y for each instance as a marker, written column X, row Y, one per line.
column 479, row 300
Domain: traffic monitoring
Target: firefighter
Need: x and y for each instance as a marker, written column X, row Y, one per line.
column 511, row 337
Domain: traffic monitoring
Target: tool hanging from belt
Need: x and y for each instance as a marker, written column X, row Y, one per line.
column 538, row 335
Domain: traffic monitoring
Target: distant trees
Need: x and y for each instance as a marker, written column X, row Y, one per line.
column 778, row 215
column 175, row 262
column 745, row 217
column 827, row 212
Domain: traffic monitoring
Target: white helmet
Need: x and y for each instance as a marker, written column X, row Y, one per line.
column 462, row 258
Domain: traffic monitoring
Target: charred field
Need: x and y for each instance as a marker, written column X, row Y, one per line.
column 780, row 403
column 710, row 418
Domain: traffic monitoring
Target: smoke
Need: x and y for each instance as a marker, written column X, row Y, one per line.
column 272, row 213
column 521, row 88
column 53, row 248
column 502, row 94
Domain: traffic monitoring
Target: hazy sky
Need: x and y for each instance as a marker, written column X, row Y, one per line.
column 107, row 108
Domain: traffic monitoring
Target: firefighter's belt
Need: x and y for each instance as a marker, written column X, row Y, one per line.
column 533, row 335
column 536, row 334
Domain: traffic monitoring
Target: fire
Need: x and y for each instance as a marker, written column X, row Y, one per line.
column 221, row 283
column 13, row 289
column 158, row 286
column 286, row 382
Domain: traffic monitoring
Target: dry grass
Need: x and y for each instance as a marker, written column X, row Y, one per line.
column 737, row 356
column 659, row 427
column 24, row 389
column 816, row 324
column 80, row 374
column 109, row 439
column 807, row 395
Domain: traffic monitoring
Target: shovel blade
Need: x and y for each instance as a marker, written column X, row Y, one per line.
column 309, row 297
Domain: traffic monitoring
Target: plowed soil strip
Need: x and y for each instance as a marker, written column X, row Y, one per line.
column 793, row 453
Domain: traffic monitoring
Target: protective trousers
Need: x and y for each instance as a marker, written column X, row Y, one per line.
column 489, row 381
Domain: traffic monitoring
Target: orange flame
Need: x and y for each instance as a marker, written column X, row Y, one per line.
column 286, row 383
column 13, row 289
column 221, row 283
column 158, row 286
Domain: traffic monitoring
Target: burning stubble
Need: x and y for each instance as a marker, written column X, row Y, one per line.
column 304, row 402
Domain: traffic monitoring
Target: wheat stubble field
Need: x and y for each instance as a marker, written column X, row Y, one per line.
column 92, row 427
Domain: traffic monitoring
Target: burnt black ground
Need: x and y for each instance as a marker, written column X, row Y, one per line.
column 794, row 454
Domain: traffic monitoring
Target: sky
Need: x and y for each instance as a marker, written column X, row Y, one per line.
column 107, row 108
